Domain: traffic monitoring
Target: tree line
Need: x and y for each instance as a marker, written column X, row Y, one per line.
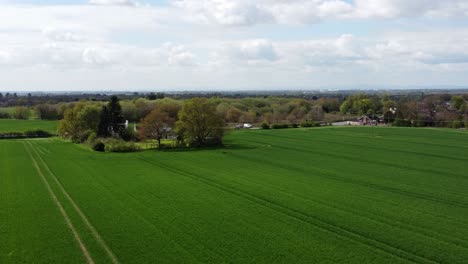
column 162, row 117
column 436, row 110
column 195, row 123
column 410, row 109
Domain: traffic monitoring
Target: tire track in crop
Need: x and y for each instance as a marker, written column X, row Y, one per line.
column 370, row 216
column 432, row 155
column 325, row 176
column 77, row 237
column 399, row 150
column 414, row 140
column 41, row 149
column 341, row 143
column 380, row 246
column 344, row 157
column 387, row 164
column 461, row 195
column 83, row 217
column 334, row 176
column 301, row 216
column 364, row 214
column 321, row 174
column 111, row 187
column 365, row 143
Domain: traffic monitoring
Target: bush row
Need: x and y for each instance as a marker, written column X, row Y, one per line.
column 118, row 145
column 26, row 134
column 282, row 126
column 110, row 144
column 310, row 124
column 419, row 123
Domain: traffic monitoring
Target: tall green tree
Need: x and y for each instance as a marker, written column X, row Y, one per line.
column 103, row 126
column 111, row 119
column 116, row 120
column 47, row 112
column 21, row 112
column 79, row 122
column 199, row 124
column 68, row 126
column 458, row 102
column 88, row 118
column 465, row 117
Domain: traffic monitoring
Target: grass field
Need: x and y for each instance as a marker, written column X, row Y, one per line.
column 322, row 195
column 13, row 125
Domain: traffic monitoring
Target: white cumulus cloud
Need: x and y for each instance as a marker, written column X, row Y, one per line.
column 249, row 52
column 61, row 35
column 261, row 43
column 251, row 12
column 114, row 2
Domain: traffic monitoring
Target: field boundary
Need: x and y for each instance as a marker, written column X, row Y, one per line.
column 85, row 219
column 67, row 219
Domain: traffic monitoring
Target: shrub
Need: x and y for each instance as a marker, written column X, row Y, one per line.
column 457, row 124
column 12, row 135
column 310, row 124
column 402, row 122
column 128, row 134
column 4, row 115
column 419, row 123
column 36, row 133
column 265, row 125
column 27, row 134
column 212, row 142
column 91, row 140
column 279, row 126
column 21, row 113
column 98, row 146
column 47, row 112
column 294, row 125
column 116, row 145
column 82, row 136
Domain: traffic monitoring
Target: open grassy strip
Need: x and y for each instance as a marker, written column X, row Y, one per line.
column 13, row 125
column 31, row 227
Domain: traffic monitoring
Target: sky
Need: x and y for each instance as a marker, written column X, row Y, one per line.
column 213, row 45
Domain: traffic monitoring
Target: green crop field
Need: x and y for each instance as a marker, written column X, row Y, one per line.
column 321, row 195
column 13, row 125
